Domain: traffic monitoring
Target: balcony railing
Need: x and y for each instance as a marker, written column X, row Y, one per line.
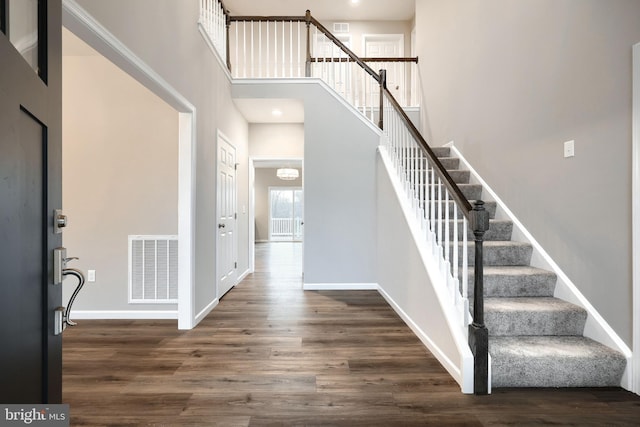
column 286, row 228
column 300, row 46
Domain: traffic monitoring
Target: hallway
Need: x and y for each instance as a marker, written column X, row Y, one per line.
column 271, row 354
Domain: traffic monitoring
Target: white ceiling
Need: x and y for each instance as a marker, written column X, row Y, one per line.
column 327, row 10
column 261, row 110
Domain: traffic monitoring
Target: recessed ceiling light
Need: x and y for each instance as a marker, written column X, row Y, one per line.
column 276, row 112
column 355, row 1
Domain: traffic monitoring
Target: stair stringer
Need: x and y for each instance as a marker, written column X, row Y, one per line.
column 458, row 361
column 596, row 326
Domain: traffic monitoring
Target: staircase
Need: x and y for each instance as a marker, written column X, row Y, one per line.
column 535, row 340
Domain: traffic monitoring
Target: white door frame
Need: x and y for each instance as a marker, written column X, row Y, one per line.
column 635, row 369
column 83, row 25
column 275, row 160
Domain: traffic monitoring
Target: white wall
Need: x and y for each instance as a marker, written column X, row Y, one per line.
column 120, row 174
column 264, row 179
column 276, row 140
column 164, row 34
column 509, row 82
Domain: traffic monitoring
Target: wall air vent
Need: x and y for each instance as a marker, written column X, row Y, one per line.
column 340, row 27
column 153, row 269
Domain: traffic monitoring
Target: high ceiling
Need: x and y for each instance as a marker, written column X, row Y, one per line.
column 327, row 10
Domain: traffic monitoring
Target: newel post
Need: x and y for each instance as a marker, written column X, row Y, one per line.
column 307, row 20
column 478, row 333
column 383, row 86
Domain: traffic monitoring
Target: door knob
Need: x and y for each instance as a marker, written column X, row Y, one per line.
column 221, row 226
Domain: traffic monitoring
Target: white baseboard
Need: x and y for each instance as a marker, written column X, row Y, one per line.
column 124, row 314
column 206, row 310
column 243, row 276
column 340, row 286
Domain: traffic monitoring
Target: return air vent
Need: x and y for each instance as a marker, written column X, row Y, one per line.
column 341, row 27
column 153, row 269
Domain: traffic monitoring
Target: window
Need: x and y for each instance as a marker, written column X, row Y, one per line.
column 285, row 213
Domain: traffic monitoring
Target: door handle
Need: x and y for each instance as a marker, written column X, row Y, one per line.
column 221, row 226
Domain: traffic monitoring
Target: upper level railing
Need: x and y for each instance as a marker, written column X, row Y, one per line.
column 300, row 46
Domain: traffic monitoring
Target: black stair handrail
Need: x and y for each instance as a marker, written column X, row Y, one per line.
column 345, row 49
column 477, row 215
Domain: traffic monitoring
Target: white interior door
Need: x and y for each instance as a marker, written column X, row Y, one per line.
column 227, row 270
column 388, row 46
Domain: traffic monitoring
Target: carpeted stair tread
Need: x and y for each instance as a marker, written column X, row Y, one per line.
column 516, row 281
column 441, row 151
column 499, row 229
column 533, row 316
column 470, row 191
column 549, row 361
column 450, row 162
column 459, row 176
column 489, row 206
column 498, row 253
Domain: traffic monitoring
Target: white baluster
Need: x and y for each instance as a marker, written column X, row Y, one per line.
column 465, row 270
column 275, row 48
column 252, row 69
column 291, row 49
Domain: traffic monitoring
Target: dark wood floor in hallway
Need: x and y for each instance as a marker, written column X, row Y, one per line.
column 271, row 354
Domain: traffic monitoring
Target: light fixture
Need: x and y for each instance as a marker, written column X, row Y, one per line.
column 287, row 174
column 276, row 113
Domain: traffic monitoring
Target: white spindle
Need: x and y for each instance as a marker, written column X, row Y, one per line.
column 275, row 48
column 299, row 52
column 447, row 246
column 252, row 69
column 465, row 264
column 441, row 213
column 456, row 245
column 259, row 25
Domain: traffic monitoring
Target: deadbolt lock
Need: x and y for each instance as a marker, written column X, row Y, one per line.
column 59, row 221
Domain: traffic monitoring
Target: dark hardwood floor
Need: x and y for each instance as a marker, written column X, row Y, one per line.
column 271, row 354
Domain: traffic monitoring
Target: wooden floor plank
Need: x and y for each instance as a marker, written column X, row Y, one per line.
column 272, row 354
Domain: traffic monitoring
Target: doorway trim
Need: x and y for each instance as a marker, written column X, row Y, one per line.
column 274, row 161
column 635, row 191
column 83, row 25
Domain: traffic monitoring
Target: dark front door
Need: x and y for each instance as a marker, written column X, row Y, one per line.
column 30, row 190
